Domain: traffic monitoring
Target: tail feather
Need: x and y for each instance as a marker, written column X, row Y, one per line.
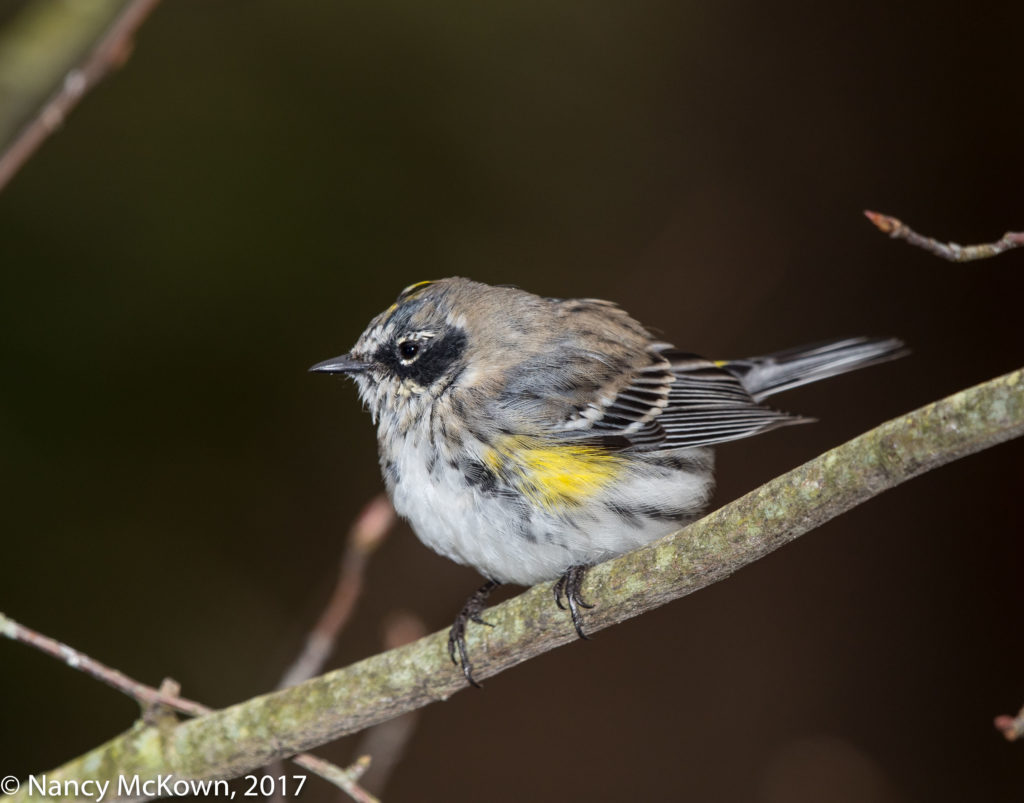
column 784, row 370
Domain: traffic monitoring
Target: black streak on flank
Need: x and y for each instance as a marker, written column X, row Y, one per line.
column 432, row 364
column 486, row 481
column 479, row 476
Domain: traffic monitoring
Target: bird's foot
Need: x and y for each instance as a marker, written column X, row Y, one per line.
column 457, row 635
column 569, row 586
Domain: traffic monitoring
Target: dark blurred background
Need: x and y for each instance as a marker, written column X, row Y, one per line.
column 263, row 177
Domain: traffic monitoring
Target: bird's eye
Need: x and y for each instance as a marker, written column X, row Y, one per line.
column 408, row 350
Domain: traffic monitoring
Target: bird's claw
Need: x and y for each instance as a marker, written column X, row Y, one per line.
column 457, row 635
column 570, row 586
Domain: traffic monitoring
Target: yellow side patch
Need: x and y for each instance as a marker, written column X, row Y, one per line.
column 553, row 476
column 721, row 363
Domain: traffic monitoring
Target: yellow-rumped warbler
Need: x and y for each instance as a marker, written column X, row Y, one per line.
column 532, row 437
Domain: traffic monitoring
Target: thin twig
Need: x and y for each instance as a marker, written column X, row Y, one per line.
column 367, row 533
column 1012, row 727
column 238, row 739
column 110, row 52
column 168, row 696
column 954, row 252
column 345, row 779
column 145, row 695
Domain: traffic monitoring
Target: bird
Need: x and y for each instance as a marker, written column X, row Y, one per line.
column 533, row 437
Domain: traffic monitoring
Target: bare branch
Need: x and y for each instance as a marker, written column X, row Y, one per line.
column 50, row 56
column 146, row 695
column 954, row 252
column 238, row 739
column 344, row 779
column 1011, row 727
column 366, row 534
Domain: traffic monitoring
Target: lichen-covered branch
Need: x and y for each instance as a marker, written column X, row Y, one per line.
column 51, row 54
column 157, row 704
column 954, row 252
column 235, row 740
column 387, row 741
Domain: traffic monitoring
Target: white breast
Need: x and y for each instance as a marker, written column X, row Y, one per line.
column 508, row 540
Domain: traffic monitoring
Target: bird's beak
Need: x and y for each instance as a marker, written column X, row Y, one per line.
column 345, row 364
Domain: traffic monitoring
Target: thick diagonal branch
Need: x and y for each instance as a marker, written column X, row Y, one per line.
column 238, row 739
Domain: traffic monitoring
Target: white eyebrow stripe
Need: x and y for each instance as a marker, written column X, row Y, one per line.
column 425, row 334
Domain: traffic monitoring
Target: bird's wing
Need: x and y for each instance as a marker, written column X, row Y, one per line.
column 607, row 382
column 677, row 401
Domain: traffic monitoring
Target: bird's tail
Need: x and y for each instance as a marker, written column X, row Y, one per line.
column 774, row 373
